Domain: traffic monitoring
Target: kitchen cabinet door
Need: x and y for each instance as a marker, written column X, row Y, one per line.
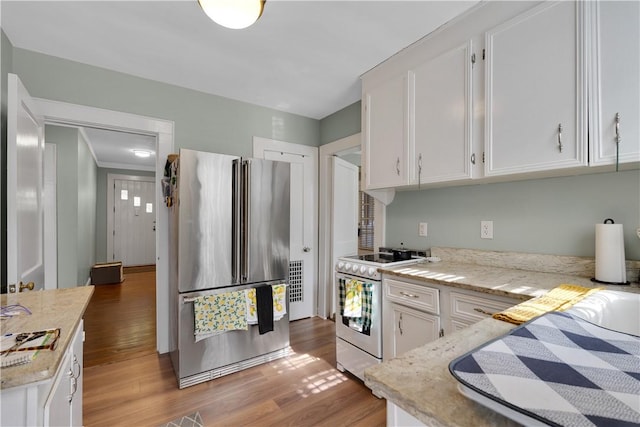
column 411, row 329
column 615, row 86
column 535, row 92
column 385, row 128
column 63, row 406
column 442, row 117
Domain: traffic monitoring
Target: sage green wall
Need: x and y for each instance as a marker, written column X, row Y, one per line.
column 101, row 207
column 86, row 228
column 66, row 140
column 76, row 205
column 6, row 66
column 202, row 121
column 552, row 216
column 340, row 124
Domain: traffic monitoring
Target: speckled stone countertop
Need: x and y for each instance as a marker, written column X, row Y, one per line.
column 58, row 308
column 419, row 381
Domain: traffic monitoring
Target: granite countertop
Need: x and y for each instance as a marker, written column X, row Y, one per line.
column 57, row 308
column 419, row 381
column 509, row 282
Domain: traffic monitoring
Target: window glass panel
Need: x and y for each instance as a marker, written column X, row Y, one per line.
column 124, row 195
column 365, row 228
column 149, row 207
column 136, row 201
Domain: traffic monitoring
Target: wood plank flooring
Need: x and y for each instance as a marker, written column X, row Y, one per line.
column 127, row 385
column 120, row 321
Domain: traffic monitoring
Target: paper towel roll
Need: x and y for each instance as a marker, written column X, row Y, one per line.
column 610, row 262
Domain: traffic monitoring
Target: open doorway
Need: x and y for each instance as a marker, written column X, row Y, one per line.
column 368, row 228
column 162, row 132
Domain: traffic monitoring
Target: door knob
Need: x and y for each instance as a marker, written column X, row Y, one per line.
column 29, row 286
column 306, row 249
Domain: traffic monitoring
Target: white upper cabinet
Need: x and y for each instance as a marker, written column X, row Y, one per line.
column 555, row 91
column 535, row 92
column 385, row 133
column 442, row 117
column 615, row 83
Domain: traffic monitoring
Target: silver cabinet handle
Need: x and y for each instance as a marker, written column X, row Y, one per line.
column 618, row 140
column 400, row 324
column 76, row 364
column 419, row 169
column 398, row 166
column 560, row 137
column 73, row 385
column 306, row 249
column 408, row 295
column 479, row 310
column 473, row 159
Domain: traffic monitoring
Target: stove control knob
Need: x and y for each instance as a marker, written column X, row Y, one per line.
column 347, row 266
column 363, row 269
column 372, row 271
column 354, row 268
column 340, row 265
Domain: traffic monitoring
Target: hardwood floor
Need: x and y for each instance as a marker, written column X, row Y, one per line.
column 132, row 386
column 120, row 321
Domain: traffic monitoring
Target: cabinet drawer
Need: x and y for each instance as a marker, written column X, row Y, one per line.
column 420, row 297
column 475, row 308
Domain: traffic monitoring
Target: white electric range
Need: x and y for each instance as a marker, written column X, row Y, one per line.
column 359, row 347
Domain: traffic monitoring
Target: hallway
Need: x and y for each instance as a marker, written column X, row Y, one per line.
column 120, row 321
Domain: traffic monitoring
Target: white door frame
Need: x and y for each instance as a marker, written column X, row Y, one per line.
column 50, row 217
column 111, row 177
column 326, row 267
column 260, row 145
column 56, row 112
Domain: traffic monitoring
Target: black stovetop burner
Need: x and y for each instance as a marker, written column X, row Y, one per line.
column 378, row 258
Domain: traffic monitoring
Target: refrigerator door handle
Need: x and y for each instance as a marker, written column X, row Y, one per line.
column 236, row 234
column 246, row 215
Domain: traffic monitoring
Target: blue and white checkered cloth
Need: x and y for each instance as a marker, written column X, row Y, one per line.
column 560, row 370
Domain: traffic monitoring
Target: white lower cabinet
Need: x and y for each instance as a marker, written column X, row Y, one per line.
column 411, row 317
column 411, row 329
column 57, row 402
column 398, row 417
column 64, row 405
column 416, row 312
column 469, row 307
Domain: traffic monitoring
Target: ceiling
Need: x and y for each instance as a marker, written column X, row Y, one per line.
column 303, row 57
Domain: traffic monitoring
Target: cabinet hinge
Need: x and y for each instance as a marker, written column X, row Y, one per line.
column 473, row 58
column 483, row 157
column 483, row 54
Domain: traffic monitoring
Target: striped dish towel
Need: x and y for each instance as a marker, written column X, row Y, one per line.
column 557, row 299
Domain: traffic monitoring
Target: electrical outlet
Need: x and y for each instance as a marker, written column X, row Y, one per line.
column 422, row 229
column 486, row 229
column 638, row 232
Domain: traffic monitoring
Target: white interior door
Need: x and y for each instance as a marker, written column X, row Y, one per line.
column 25, row 187
column 304, row 221
column 134, row 222
column 344, row 203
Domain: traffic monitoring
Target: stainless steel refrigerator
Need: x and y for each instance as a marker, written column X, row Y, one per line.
column 229, row 231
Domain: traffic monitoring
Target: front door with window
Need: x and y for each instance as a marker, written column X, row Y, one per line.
column 134, row 222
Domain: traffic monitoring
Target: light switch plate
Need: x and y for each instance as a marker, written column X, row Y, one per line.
column 422, row 229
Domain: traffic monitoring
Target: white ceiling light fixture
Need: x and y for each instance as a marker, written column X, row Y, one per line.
column 142, row 153
column 234, row 14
